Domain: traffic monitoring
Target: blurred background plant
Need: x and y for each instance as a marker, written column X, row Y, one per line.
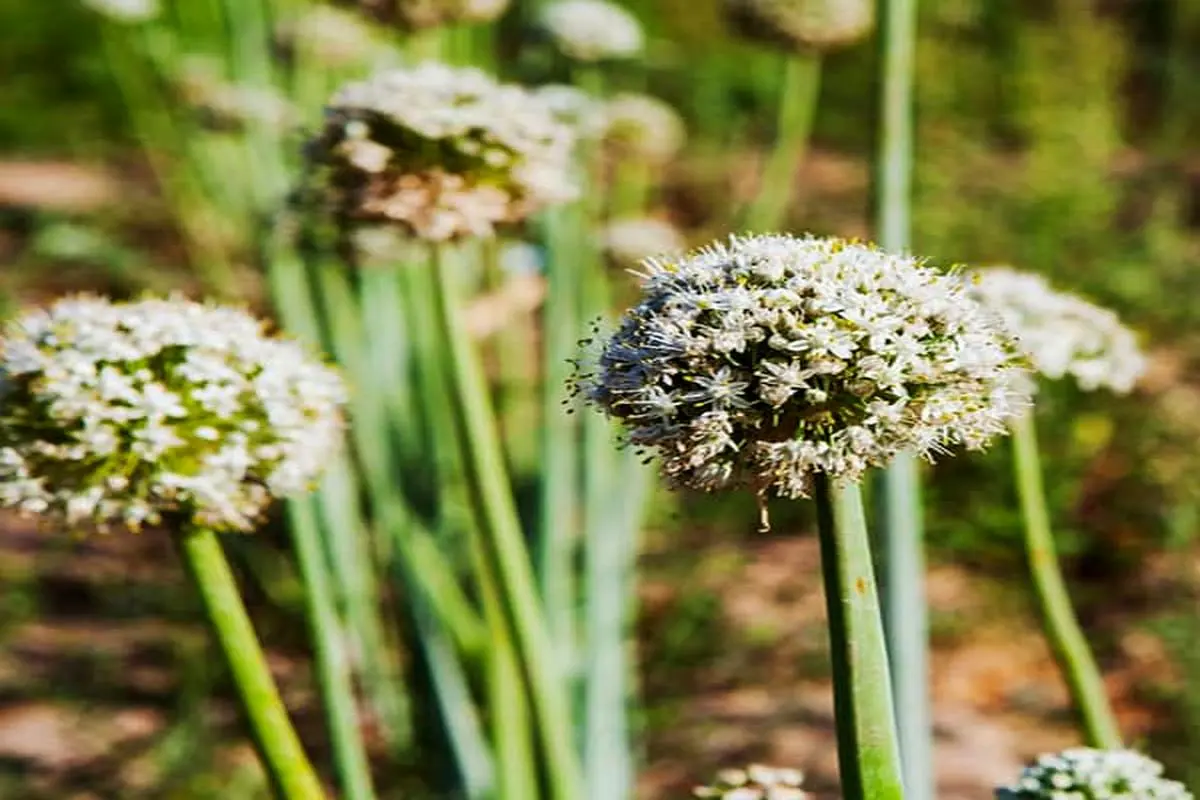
column 1058, row 137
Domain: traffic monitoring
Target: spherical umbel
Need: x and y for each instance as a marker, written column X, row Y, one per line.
column 756, row 782
column 642, row 128
column 1085, row 774
column 802, row 24
column 592, row 30
column 126, row 412
column 443, row 152
column 766, row 360
column 1061, row 334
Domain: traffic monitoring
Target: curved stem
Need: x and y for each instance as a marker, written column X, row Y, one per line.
column 868, row 753
column 333, row 660
column 503, row 541
column 1070, row 647
column 797, row 110
column 279, row 748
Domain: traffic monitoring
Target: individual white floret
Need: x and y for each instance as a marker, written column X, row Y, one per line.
column 767, row 360
column 130, row 11
column 1087, row 774
column 444, row 152
column 642, row 127
column 632, row 240
column 756, row 782
column 127, row 412
column 593, row 30
column 1060, row 333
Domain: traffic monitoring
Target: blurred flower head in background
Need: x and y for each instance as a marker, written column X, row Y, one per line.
column 420, row 14
column 125, row 10
column 332, row 37
column 642, row 127
column 766, row 360
column 630, row 241
column 441, row 151
column 802, row 24
column 593, row 30
column 1086, row 774
column 1060, row 333
column 756, row 782
column 231, row 105
column 573, row 106
column 124, row 412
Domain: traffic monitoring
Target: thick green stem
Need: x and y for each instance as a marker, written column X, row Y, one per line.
column 901, row 529
column 797, row 110
column 1058, row 616
column 278, row 746
column 503, row 540
column 868, row 753
column 333, row 660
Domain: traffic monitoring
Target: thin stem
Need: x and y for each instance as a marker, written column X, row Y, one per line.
column 278, row 746
column 797, row 110
column 503, row 540
column 901, row 526
column 333, row 660
column 1058, row 616
column 868, row 753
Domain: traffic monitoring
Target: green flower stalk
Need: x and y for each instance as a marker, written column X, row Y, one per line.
column 171, row 412
column 803, row 30
column 1085, row 774
column 1061, row 335
column 789, row 366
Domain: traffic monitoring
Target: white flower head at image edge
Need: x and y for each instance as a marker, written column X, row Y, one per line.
column 443, row 152
column 592, row 30
column 764, row 361
column 133, row 413
column 756, row 782
column 1086, row 774
column 1061, row 334
column 130, row 11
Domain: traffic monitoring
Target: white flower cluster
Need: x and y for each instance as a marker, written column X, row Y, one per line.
column 803, row 24
column 129, row 11
column 442, row 151
column 1086, row 774
column 592, row 30
column 632, row 240
column 642, row 127
column 573, row 106
column 756, row 782
column 332, row 37
column 1060, row 333
column 770, row 359
column 126, row 412
column 226, row 104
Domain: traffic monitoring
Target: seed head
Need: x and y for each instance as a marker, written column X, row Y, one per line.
column 802, row 24
column 1087, row 774
column 125, row 412
column 642, row 127
column 443, row 152
column 1060, row 333
column 762, row 362
column 756, row 782
column 592, row 30
column 631, row 241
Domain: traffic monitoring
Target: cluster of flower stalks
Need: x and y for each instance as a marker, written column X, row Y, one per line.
column 453, row 243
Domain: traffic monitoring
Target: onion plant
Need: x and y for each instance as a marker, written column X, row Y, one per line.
column 789, row 366
column 1061, row 335
column 175, row 414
